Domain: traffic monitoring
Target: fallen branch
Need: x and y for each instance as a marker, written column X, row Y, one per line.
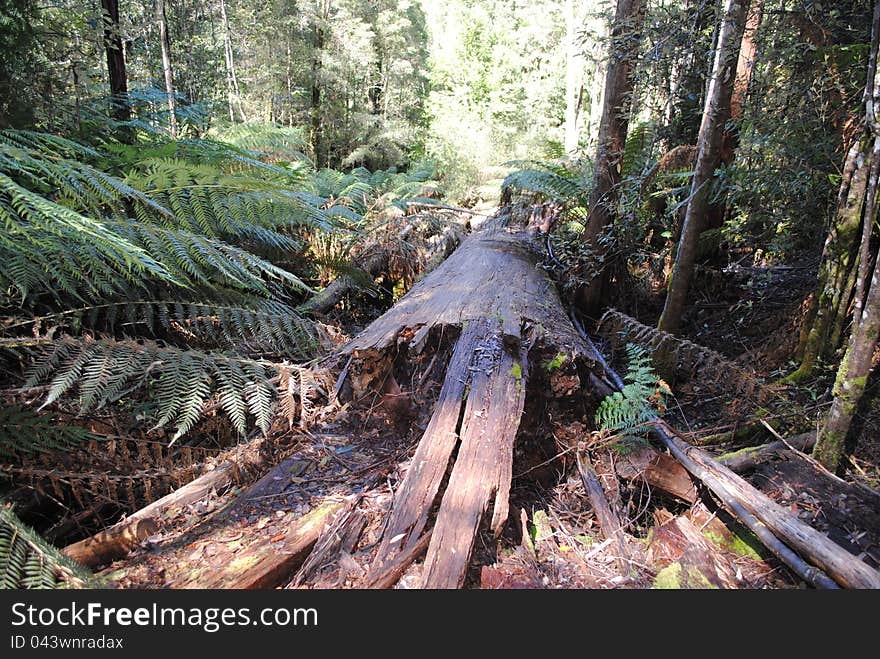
column 609, row 519
column 117, row 540
column 748, row 458
column 764, row 517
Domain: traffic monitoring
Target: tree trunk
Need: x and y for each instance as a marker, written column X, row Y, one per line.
column 509, row 318
column 234, row 93
column 612, row 138
column 573, row 84
column 715, row 114
column 845, row 265
column 858, row 360
column 167, row 70
column 115, row 61
column 316, row 137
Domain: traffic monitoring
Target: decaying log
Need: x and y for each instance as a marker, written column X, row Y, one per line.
column 748, row 458
column 660, row 471
column 117, row 540
column 609, row 518
column 501, row 307
column 749, row 503
column 112, row 543
column 374, row 264
column 269, row 562
column 686, row 559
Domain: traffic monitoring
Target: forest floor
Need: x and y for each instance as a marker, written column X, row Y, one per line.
column 552, row 539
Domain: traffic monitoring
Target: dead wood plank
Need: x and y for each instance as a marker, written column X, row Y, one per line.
column 609, row 518
column 417, row 493
column 117, row 540
column 392, row 571
column 491, row 418
column 659, row 470
column 267, row 563
column 843, row 567
column 336, row 539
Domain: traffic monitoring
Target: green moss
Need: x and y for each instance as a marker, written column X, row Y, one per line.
column 748, row 450
column 556, row 362
column 677, row 576
column 669, row 578
column 734, row 543
column 515, row 371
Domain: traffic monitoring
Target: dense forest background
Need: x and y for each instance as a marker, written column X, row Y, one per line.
column 202, row 199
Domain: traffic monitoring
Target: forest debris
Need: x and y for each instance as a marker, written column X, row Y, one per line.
column 775, row 522
column 686, row 559
column 268, row 562
column 609, row 518
column 659, row 471
column 337, row 539
column 115, row 541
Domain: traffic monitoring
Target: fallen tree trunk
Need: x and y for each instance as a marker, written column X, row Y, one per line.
column 503, row 314
column 119, row 539
column 843, row 567
column 270, row 561
column 764, row 517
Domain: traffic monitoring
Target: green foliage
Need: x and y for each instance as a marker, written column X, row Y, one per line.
column 23, row 433
column 29, row 562
column 637, row 401
column 183, row 381
column 155, row 265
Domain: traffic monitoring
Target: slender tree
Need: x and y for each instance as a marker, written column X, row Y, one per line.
column 233, row 92
column 715, row 114
column 574, row 86
column 611, row 140
column 167, row 70
column 115, row 60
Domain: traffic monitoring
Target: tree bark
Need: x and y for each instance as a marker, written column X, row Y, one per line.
column 316, row 137
column 612, row 138
column 852, row 377
column 167, row 70
column 115, row 61
column 715, row 114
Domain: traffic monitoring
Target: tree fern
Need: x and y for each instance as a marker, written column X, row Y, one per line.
column 639, row 400
column 184, row 381
column 29, row 562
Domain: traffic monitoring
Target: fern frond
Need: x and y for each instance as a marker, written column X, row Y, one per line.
column 46, row 246
column 634, row 404
column 183, row 382
column 28, row 561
